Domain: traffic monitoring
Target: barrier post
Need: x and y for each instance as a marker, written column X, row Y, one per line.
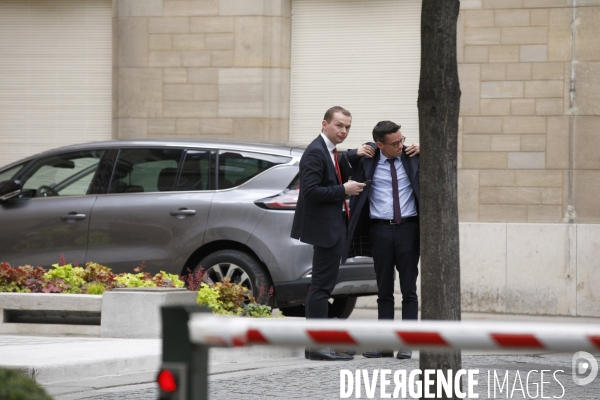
column 179, row 351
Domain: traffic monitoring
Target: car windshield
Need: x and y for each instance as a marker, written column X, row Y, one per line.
column 9, row 173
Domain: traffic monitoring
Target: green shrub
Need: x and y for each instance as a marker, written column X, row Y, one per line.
column 134, row 280
column 209, row 296
column 95, row 288
column 257, row 310
column 12, row 287
column 230, row 299
column 164, row 279
column 14, row 385
column 64, row 279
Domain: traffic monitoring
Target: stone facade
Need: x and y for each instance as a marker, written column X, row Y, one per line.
column 529, row 72
column 529, row 77
column 526, row 268
column 201, row 68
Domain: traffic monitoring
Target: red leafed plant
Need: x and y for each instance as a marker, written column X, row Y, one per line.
column 97, row 273
column 25, row 278
column 56, row 286
column 194, row 279
column 264, row 297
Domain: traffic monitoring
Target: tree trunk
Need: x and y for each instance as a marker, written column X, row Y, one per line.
column 439, row 103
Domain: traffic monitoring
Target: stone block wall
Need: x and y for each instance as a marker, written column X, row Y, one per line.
column 530, row 109
column 201, row 68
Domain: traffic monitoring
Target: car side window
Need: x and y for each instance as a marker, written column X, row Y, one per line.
column 197, row 172
column 237, row 167
column 9, row 173
column 68, row 174
column 145, row 170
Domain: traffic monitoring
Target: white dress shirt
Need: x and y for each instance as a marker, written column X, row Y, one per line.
column 330, row 147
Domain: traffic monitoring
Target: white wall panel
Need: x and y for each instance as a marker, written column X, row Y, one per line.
column 363, row 55
column 55, row 74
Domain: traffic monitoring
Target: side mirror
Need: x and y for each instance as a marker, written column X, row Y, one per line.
column 10, row 189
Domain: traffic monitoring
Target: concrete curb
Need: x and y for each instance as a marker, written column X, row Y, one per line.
column 86, row 358
column 69, row 372
column 90, row 315
column 254, row 353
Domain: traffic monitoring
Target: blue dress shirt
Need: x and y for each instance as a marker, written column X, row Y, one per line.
column 381, row 199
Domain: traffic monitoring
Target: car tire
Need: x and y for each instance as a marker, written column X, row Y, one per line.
column 342, row 307
column 242, row 269
column 339, row 308
column 294, row 311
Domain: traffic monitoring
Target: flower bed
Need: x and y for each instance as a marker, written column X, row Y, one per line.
column 91, row 279
column 221, row 297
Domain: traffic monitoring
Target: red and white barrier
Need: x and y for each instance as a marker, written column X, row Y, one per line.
column 224, row 331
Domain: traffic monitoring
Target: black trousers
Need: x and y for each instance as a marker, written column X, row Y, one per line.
column 396, row 246
column 326, row 264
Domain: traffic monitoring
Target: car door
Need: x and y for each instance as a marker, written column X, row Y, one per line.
column 51, row 216
column 158, row 200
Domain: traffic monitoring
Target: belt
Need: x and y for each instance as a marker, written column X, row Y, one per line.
column 392, row 222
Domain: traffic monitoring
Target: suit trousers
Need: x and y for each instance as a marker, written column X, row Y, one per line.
column 326, row 264
column 396, row 245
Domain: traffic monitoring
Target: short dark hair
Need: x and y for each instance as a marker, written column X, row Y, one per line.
column 336, row 109
column 384, row 128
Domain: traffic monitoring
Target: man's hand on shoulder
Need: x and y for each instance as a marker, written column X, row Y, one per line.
column 353, row 188
column 366, row 151
column 413, row 150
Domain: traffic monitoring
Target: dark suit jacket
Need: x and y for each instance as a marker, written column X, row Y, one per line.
column 318, row 217
column 357, row 242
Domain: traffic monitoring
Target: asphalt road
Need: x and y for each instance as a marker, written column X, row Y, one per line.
column 518, row 375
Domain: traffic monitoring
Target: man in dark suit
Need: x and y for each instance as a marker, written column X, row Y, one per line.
column 321, row 215
column 385, row 221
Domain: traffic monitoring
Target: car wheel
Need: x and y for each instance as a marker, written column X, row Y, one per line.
column 340, row 308
column 241, row 269
column 294, row 311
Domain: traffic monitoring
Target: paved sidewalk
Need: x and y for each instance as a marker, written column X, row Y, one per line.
column 79, row 367
column 102, row 368
column 51, row 359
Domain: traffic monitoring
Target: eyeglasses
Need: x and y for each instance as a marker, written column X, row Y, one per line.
column 398, row 143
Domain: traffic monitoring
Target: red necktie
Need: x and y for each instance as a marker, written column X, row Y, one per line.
column 339, row 176
column 395, row 195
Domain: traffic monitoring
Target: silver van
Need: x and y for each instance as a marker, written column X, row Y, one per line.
column 222, row 208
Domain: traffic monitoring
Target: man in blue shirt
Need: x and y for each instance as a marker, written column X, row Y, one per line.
column 385, row 220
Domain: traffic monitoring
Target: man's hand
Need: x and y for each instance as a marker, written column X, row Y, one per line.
column 353, row 188
column 413, row 150
column 365, row 150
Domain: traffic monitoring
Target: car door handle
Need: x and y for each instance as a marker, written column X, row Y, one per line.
column 72, row 215
column 183, row 211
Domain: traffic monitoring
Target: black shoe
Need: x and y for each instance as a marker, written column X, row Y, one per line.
column 404, row 354
column 328, row 354
column 378, row 354
column 349, row 351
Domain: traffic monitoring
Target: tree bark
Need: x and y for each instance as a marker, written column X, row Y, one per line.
column 439, row 104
